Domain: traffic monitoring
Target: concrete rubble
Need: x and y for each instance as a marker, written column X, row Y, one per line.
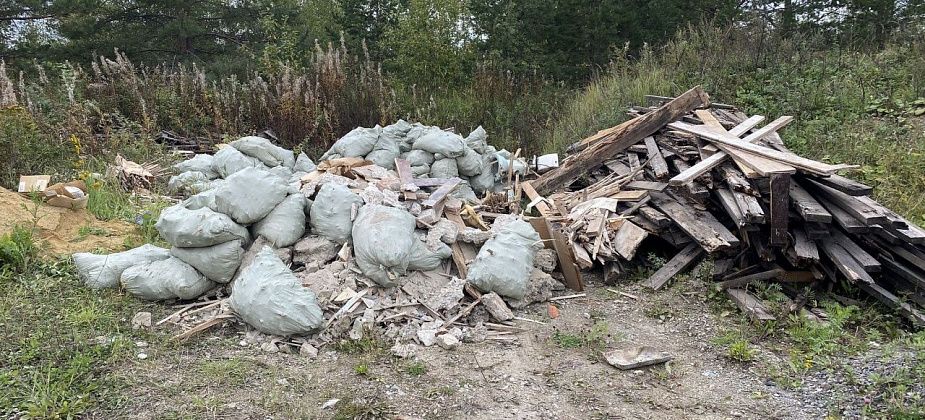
column 367, row 243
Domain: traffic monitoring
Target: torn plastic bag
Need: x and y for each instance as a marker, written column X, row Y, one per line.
column 165, row 279
column 444, row 168
column 447, row 144
column 268, row 153
column 304, row 163
column 357, row 143
column 189, row 183
column 477, row 140
column 331, row 212
column 382, row 241
column 199, row 163
column 218, row 263
column 469, row 164
column 249, row 195
column 229, row 160
column 505, row 262
column 103, row 271
column 183, row 227
column 419, row 158
column 285, row 225
column 271, row 299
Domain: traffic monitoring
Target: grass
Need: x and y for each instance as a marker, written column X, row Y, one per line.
column 59, row 339
column 594, row 339
column 416, row 368
column 17, row 250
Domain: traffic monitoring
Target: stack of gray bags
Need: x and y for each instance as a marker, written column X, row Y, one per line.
column 432, row 152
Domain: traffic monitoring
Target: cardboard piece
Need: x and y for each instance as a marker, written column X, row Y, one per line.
column 33, row 183
column 71, row 195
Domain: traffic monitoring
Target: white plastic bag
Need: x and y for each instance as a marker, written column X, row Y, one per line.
column 285, row 224
column 183, row 227
column 249, row 195
column 165, row 279
column 218, row 262
column 103, row 271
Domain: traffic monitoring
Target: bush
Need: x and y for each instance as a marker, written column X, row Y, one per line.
column 17, row 251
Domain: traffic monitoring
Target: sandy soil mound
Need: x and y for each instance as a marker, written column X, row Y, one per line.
column 59, row 229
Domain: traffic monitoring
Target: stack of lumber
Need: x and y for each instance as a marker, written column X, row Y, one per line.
column 711, row 181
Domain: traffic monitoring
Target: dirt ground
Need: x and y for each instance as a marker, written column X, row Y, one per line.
column 535, row 378
column 59, row 229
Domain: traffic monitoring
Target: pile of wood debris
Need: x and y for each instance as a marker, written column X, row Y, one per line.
column 702, row 179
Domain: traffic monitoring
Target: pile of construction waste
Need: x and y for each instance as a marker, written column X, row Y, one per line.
column 380, row 236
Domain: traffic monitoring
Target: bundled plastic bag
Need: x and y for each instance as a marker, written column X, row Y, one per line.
column 249, row 195
column 448, row 144
column 198, row 163
column 103, row 271
column 203, row 199
column 464, row 192
column 189, row 183
column 271, row 299
column 424, row 259
column 420, row 170
column 385, row 152
column 444, row 168
column 285, row 225
column 183, row 227
column 357, row 143
column 331, row 212
column 218, row 262
column 304, row 163
column 469, row 164
column 484, row 181
column 268, row 153
column 419, row 157
column 382, row 241
column 229, row 160
column 505, row 262
column 165, row 279
column 477, row 140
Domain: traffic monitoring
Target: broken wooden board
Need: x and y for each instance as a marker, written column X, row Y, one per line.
column 742, row 281
column 780, row 208
column 534, row 196
column 604, row 145
column 844, row 185
column 680, row 262
column 568, row 260
column 646, row 185
column 630, row 195
column 844, row 262
column 656, row 160
column 441, row 193
column 700, row 225
column 861, row 211
column 725, row 139
column 807, row 206
column 628, row 239
column 751, row 305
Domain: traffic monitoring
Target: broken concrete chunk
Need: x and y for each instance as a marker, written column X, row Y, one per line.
column 496, row 307
column 447, row 341
column 443, row 231
column 546, row 260
column 636, row 357
column 141, row 320
column 404, row 351
column 539, row 289
column 314, row 248
column 474, row 236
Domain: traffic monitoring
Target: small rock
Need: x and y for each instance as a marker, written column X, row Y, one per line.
column 269, row 347
column 141, row 320
column 141, row 344
column 546, row 260
column 308, row 350
column 635, row 357
column 427, row 337
column 553, row 311
column 496, row 307
column 142, row 356
column 330, row 403
column 474, row 236
column 404, row 351
column 447, row 341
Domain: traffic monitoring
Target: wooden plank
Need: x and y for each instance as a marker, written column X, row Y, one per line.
column 630, row 195
column 751, row 305
column 441, row 193
column 738, row 282
column 656, row 217
column 843, row 219
column 700, row 225
column 647, row 185
column 907, row 273
column 844, row 185
column 553, row 238
column 605, row 145
column 844, row 262
column 746, row 125
column 870, row 264
column 736, row 180
column 541, row 206
column 749, row 206
column 728, row 203
column 727, row 140
column 709, row 163
column 804, row 248
column 656, row 160
column 428, row 182
column 680, row 262
column 780, row 208
column 862, row 212
column 628, row 239
column 806, row 206
column 910, row 254
column 408, row 188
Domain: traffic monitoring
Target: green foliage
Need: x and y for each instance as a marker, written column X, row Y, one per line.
column 17, row 251
column 361, row 369
column 594, row 339
column 108, row 201
column 416, row 369
column 367, row 345
column 737, row 347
